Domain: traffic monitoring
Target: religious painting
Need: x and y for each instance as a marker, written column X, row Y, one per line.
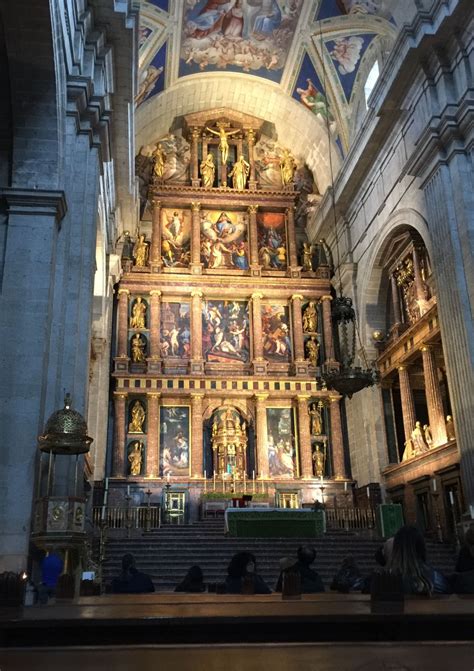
column 175, row 237
column 272, row 240
column 224, row 239
column 347, row 53
column 281, row 443
column 225, row 335
column 276, row 333
column 174, row 440
column 309, row 91
column 151, row 79
column 241, row 36
column 175, row 330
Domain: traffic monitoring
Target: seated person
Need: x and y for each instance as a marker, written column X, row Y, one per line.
column 311, row 582
column 348, row 577
column 192, row 582
column 463, row 580
column 131, row 580
column 242, row 577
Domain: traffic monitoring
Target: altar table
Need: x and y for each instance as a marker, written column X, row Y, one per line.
column 275, row 522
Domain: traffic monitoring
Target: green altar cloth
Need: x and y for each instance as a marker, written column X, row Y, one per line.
column 275, row 523
column 389, row 519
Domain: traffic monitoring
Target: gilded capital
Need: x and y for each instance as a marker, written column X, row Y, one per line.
column 261, row 397
column 154, row 395
column 252, row 209
column 197, row 292
column 326, row 298
column 303, row 398
column 155, row 292
column 195, row 207
column 123, row 291
column 195, row 133
column 197, row 395
column 256, row 295
column 251, row 135
column 425, row 348
column 120, row 396
column 156, row 202
column 296, row 297
column 334, row 399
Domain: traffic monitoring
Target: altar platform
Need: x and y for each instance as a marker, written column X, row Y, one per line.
column 274, row 522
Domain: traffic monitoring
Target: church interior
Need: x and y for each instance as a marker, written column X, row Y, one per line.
column 236, row 313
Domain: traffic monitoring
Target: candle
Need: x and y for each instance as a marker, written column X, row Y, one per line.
column 471, row 510
column 321, row 479
column 128, row 490
column 345, row 486
column 368, row 492
column 214, row 477
column 253, row 475
column 106, row 484
column 434, row 484
column 168, row 478
column 451, row 497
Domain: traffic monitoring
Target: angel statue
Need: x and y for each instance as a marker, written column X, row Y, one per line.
column 223, row 143
column 135, row 458
column 137, row 417
column 307, row 257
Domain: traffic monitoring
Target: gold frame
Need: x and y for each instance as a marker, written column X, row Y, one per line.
column 175, row 405
column 295, row 430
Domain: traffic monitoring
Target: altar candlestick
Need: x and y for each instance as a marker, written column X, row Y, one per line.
column 245, row 484
column 368, row 492
column 128, row 490
column 434, row 485
column 345, row 486
column 451, row 497
column 214, row 478
column 168, row 478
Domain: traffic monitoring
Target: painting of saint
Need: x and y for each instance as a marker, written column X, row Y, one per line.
column 272, row 240
column 276, row 333
column 225, row 336
column 224, row 240
column 175, row 238
column 175, row 332
column 174, row 440
column 282, row 461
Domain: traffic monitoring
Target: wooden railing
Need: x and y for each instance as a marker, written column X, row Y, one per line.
column 133, row 517
column 350, row 518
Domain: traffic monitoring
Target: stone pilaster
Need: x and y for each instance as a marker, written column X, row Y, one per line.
column 195, row 181
column 155, row 249
column 154, row 359
column 122, row 359
column 253, row 241
column 337, row 441
column 259, row 363
column 152, row 445
column 408, row 404
column 304, row 438
column 118, row 457
column 261, row 431
column 251, row 144
column 197, row 461
column 327, row 329
column 420, row 290
column 434, row 400
column 197, row 362
column 294, row 269
column 196, row 265
column 300, row 365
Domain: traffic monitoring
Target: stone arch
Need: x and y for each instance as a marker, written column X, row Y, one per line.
column 244, row 406
column 372, row 284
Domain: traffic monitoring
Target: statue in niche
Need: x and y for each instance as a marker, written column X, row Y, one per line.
column 223, row 142
column 450, row 433
column 310, row 318
column 418, row 440
column 240, row 173
column 138, row 349
column 137, row 320
column 428, row 436
column 135, row 457
column 140, row 251
column 312, row 351
column 208, row 171
column 287, row 168
column 316, row 419
column 137, row 418
column 307, row 257
column 159, row 162
column 319, row 460
column 127, row 248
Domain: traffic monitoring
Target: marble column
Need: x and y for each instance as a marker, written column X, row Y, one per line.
column 327, row 329
column 253, row 240
column 261, row 431
column 408, row 404
column 291, row 236
column 154, row 359
column 434, row 400
column 195, row 181
column 397, row 313
column 197, row 362
column 196, row 265
column 197, row 447
column 304, row 438
column 122, row 325
column 259, row 363
column 300, row 365
column 118, row 457
column 337, row 442
column 155, row 249
column 251, row 144
column 152, row 445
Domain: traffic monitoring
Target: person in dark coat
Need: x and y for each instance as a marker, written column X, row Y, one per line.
column 242, row 577
column 465, row 560
column 193, row 581
column 131, row 580
column 311, row 582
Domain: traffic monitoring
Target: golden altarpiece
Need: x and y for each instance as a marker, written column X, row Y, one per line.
column 223, row 320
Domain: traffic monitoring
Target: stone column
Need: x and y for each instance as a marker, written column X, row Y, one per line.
column 397, row 313
column 122, row 358
column 154, row 359
column 294, row 270
column 118, row 457
column 337, row 442
column 195, row 181
column 197, row 460
column 434, row 400
column 196, row 265
column 259, row 363
column 253, row 240
column 197, row 362
column 240, row 147
column 304, row 438
column 155, row 250
column 204, row 146
column 300, row 365
column 408, row 405
column 250, row 144
column 152, row 445
column 261, row 431
column 420, row 291
column 327, row 329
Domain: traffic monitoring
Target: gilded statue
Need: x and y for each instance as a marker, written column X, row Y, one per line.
column 312, row 351
column 135, row 458
column 428, row 436
column 418, row 440
column 137, row 320
column 450, row 433
column 137, row 418
column 240, row 173
column 138, row 349
column 307, row 257
column 140, row 251
column 208, row 171
column 319, row 461
column 310, row 318
column 287, row 168
column 159, row 162
column 223, row 142
column 316, row 420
